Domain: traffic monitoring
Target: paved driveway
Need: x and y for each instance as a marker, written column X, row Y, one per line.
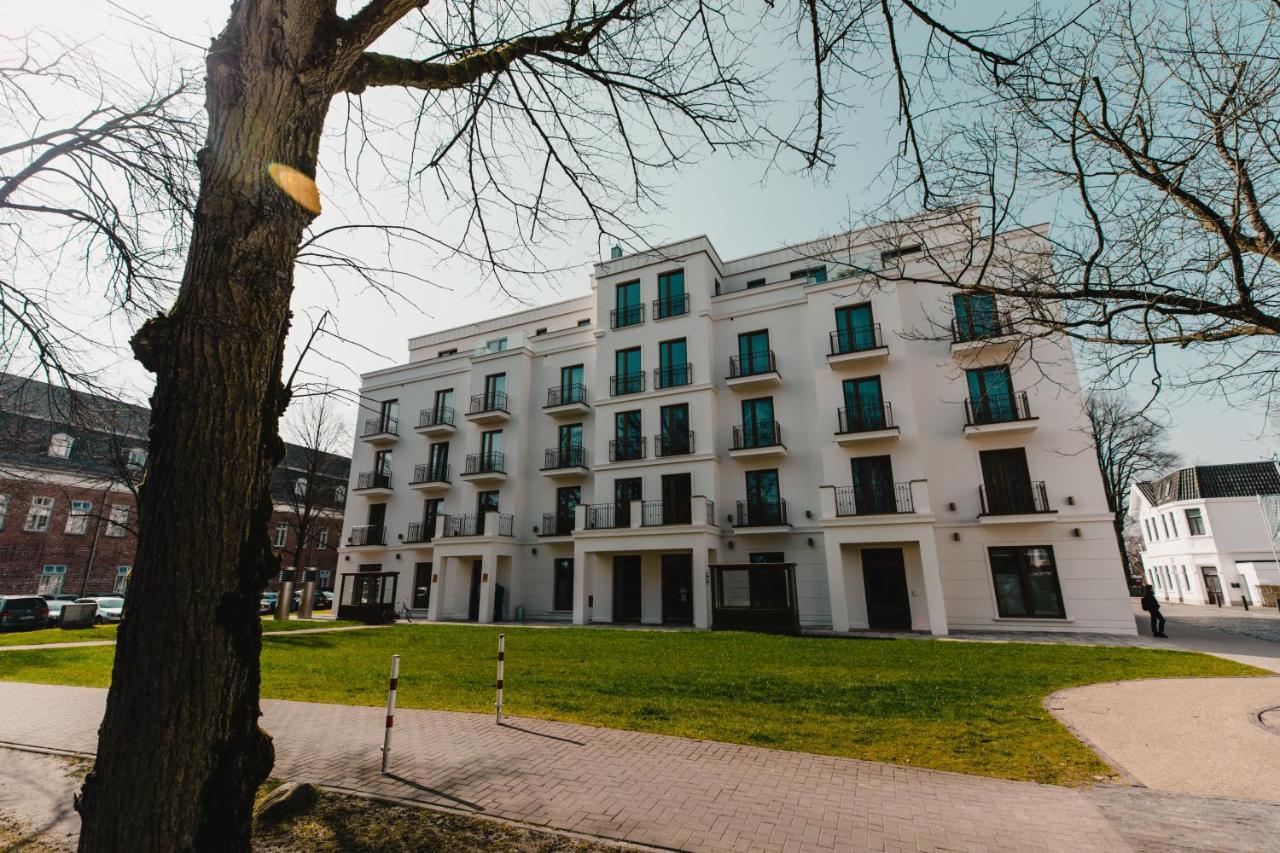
column 1251, row 637
column 679, row 793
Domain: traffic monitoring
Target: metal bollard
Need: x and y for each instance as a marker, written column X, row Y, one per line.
column 502, row 649
column 285, row 601
column 391, row 710
column 1244, row 599
column 308, row 593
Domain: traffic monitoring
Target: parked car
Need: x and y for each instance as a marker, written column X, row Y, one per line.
column 60, row 597
column 324, row 600
column 110, row 607
column 23, row 612
column 267, row 605
column 55, row 608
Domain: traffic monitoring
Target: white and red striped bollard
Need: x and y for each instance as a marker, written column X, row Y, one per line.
column 502, row 651
column 391, row 710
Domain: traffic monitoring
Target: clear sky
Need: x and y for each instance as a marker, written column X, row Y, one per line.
column 730, row 199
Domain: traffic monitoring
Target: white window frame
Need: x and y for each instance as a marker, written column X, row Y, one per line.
column 137, row 457
column 4, row 510
column 78, row 518
column 60, row 445
column 52, row 580
column 118, row 520
column 39, row 515
column 121, row 584
column 282, row 534
column 340, row 494
column 322, row 540
column 300, row 487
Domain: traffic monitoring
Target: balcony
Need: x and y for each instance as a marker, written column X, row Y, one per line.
column 856, row 346
column 673, row 444
column 566, row 400
column 674, row 306
column 435, row 422
column 367, row 536
column 607, row 516
column 760, row 440
column 628, row 449
column 482, row 524
column 672, row 377
column 565, row 462
column 998, row 413
column 373, row 484
column 488, row 467
column 627, row 315
column 646, row 515
column 981, row 331
column 556, row 524
column 761, row 516
column 891, row 500
column 432, row 477
column 626, row 383
column 420, row 532
column 865, row 424
column 1016, row 503
column 757, row 370
column 490, row 408
column 380, row 430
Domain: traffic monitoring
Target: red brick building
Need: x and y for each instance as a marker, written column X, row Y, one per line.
column 69, row 464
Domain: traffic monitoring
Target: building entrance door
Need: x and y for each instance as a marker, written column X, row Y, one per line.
column 677, row 589
column 626, row 588
column 884, row 577
column 473, row 600
column 421, row 586
column 1212, row 585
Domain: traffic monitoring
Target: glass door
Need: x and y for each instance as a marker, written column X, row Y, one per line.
column 863, row 405
column 675, row 429
column 872, row 485
column 753, row 353
column 991, row 395
column 855, row 329
column 764, row 501
column 757, row 423
column 975, row 316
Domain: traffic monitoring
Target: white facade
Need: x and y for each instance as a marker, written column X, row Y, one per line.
column 1055, row 557
column 1205, row 550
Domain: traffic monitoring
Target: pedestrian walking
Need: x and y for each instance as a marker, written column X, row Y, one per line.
column 1151, row 604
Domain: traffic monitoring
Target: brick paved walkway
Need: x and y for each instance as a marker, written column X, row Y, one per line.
column 652, row 789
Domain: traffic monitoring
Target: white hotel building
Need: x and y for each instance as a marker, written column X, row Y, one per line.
column 760, row 442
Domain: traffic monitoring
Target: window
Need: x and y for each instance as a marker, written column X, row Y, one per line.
column 562, row 597
column 756, row 282
column 758, row 426
column 340, row 494
column 672, row 300
column 60, row 445
column 324, row 579
column 121, row 586
column 891, row 255
column 1026, row 582
column 864, row 407
column 855, row 329
column 764, row 501
column 300, row 487
column 438, row 462
column 78, row 518
column 990, row 396
column 873, row 491
column 976, row 317
column 137, row 457
column 282, row 534
column 1164, row 523
column 673, row 364
column 754, row 355
column 1195, row 522
column 628, row 439
column 38, row 515
column 572, row 385
column 51, row 580
column 4, row 509
column 388, row 416
column 323, row 539
column 118, row 520
column 811, row 275
column 628, row 375
column 442, row 406
column 491, row 445
column 444, row 352
column 1173, row 522
column 630, row 310
column 495, row 392
column 1186, row 579
column 496, row 345
column 585, row 321
column 541, row 330
column 675, row 438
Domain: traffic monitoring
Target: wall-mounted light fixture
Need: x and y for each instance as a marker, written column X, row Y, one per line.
column 397, row 555
column 810, row 541
column 952, row 506
column 535, row 529
column 1075, row 531
column 400, row 536
column 955, row 537
column 808, row 514
column 347, row 558
column 730, row 544
column 535, row 551
column 1071, row 501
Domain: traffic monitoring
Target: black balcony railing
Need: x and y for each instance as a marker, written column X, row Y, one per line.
column 608, row 516
column 556, row 524
column 673, row 443
column 626, row 449
column 882, row 500
column 490, row 462
column 867, row 418
column 368, row 534
column 494, row 401
column 626, row 383
column 856, row 339
column 627, row 315
column 380, row 426
column 432, row 472
column 658, row 513
column 981, row 326
column 997, row 409
column 1014, row 499
column 761, row 513
column 763, row 434
column 373, row 480
column 672, row 376
column 755, row 364
column 573, row 456
column 672, row 306
column 476, row 525
column 438, row 416
column 420, row 531
column 564, row 395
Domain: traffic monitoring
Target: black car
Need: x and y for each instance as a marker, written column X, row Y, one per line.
column 23, row 612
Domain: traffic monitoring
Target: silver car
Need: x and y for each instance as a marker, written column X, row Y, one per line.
column 110, row 607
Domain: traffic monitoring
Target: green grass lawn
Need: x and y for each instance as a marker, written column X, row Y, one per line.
column 108, row 632
column 968, row 707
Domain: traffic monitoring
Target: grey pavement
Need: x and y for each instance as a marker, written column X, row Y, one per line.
column 680, row 793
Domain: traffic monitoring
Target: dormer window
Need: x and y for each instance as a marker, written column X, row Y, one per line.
column 137, row 457
column 60, row 445
column 300, row 487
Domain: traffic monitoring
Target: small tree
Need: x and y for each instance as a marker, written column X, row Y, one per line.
column 1130, row 445
column 313, row 476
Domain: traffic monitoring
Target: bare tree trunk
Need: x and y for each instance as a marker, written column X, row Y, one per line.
column 180, row 754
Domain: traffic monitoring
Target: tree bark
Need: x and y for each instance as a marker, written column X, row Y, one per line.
column 180, row 754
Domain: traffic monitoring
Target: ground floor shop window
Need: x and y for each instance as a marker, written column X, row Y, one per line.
column 562, row 598
column 1026, row 582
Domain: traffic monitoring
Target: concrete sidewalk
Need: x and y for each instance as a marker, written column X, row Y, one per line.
column 674, row 792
